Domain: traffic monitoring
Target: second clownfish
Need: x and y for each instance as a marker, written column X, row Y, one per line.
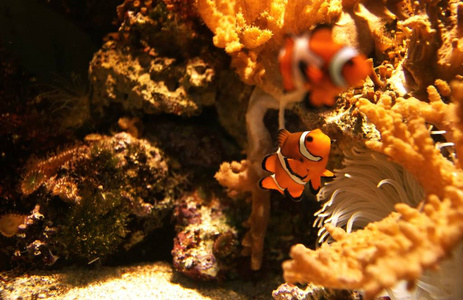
column 300, row 158
column 316, row 63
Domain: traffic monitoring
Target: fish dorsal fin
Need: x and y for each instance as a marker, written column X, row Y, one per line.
column 283, row 135
column 322, row 43
column 322, row 33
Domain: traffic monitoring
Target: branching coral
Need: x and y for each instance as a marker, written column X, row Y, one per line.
column 410, row 143
column 372, row 259
column 244, row 176
column 364, row 191
column 419, row 238
column 252, row 32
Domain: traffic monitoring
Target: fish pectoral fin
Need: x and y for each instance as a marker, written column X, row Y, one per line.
column 285, row 62
column 296, row 167
column 327, row 173
column 283, row 135
column 317, row 97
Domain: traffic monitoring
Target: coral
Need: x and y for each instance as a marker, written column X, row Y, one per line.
column 431, row 37
column 365, row 191
column 177, row 138
column 235, row 176
column 205, row 243
column 405, row 106
column 371, row 258
column 243, row 177
column 127, row 82
column 38, row 172
column 410, row 144
column 252, row 32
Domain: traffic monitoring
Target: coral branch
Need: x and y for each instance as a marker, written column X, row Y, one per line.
column 409, row 144
column 373, row 258
column 252, row 32
column 244, row 176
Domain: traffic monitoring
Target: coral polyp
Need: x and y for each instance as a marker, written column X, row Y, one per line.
column 9, row 224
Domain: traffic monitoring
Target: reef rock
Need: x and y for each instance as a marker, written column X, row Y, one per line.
column 158, row 64
column 205, row 245
column 91, row 200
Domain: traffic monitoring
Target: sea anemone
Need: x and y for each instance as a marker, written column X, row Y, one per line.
column 364, row 191
column 32, row 181
column 9, row 224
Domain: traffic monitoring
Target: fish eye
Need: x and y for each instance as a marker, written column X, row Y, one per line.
column 309, row 139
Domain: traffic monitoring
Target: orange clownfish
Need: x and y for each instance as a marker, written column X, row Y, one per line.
column 300, row 158
column 316, row 63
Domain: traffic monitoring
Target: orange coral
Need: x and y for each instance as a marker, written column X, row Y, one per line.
column 252, row 32
column 242, row 177
column 372, row 259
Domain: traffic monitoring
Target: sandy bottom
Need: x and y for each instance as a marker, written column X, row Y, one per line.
column 150, row 281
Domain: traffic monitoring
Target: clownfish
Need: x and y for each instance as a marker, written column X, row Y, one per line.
column 300, row 158
column 316, row 63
